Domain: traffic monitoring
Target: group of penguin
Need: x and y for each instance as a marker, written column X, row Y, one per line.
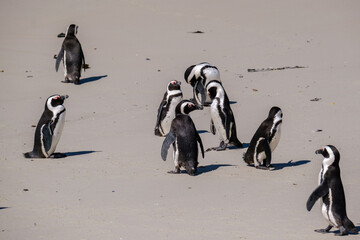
column 175, row 124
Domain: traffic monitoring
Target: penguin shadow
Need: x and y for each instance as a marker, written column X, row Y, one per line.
column 2, row 208
column 232, row 102
column 349, row 233
column 279, row 166
column 91, row 79
column 71, row 154
column 210, row 168
column 244, row 145
column 202, row 131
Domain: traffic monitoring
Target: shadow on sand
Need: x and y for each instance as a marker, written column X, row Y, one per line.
column 91, row 79
column 279, row 166
column 1, row 208
column 210, row 168
column 202, row 131
column 71, row 154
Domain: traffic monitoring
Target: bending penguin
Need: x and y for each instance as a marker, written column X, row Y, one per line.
column 49, row 128
column 184, row 137
column 198, row 76
column 265, row 140
column 331, row 192
column 72, row 55
column 166, row 110
column 222, row 117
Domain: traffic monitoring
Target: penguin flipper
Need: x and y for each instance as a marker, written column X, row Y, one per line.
column 46, row 136
column 212, row 127
column 200, row 143
column 157, row 125
column 267, row 150
column 199, row 88
column 170, row 139
column 59, row 58
column 319, row 192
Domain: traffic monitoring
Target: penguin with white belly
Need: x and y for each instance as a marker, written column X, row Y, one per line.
column 49, row 128
column 265, row 140
column 166, row 110
column 72, row 55
column 184, row 138
column 198, row 76
column 222, row 117
column 331, row 192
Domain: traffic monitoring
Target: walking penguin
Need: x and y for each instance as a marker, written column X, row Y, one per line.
column 72, row 55
column 331, row 192
column 49, row 128
column 184, row 138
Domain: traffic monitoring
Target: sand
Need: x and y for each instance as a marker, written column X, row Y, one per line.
column 113, row 184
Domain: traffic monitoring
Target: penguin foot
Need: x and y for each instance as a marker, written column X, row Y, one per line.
column 262, row 167
column 220, row 148
column 342, row 232
column 174, row 172
column 65, row 81
column 326, row 230
column 58, row 155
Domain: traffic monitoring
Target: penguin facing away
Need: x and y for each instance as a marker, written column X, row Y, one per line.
column 198, row 76
column 265, row 140
column 184, row 138
column 49, row 128
column 72, row 55
column 166, row 110
column 222, row 117
column 331, row 192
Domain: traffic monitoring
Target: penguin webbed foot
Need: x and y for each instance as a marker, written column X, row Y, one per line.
column 58, row 155
column 342, row 232
column 222, row 147
column 326, row 230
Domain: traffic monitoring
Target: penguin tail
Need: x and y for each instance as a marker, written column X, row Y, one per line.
column 349, row 226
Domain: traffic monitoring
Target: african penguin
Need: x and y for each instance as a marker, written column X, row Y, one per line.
column 72, row 55
column 222, row 117
column 49, row 128
column 198, row 76
column 331, row 191
column 166, row 110
column 184, row 137
column 265, row 140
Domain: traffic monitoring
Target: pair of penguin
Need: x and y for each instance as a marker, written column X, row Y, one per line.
column 49, row 128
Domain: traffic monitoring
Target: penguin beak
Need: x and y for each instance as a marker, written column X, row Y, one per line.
column 63, row 97
column 319, row 151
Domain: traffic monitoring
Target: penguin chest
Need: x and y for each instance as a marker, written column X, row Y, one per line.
column 276, row 138
column 57, row 132
column 218, row 122
column 170, row 115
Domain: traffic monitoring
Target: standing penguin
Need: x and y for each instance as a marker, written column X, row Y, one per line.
column 222, row 117
column 331, row 191
column 166, row 111
column 184, row 137
column 198, row 76
column 49, row 128
column 72, row 56
column 265, row 140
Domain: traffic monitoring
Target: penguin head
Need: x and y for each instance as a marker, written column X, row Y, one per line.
column 55, row 102
column 185, row 107
column 214, row 88
column 331, row 155
column 192, row 73
column 275, row 113
column 173, row 85
column 71, row 30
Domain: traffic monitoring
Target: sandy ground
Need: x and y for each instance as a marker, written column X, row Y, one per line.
column 113, row 184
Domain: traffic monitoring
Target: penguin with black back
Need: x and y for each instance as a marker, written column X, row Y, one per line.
column 166, row 110
column 331, row 192
column 72, row 55
column 49, row 129
column 184, row 138
column 222, row 117
column 198, row 76
column 265, row 140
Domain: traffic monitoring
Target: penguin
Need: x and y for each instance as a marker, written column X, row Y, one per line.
column 331, row 192
column 222, row 117
column 72, row 55
column 198, row 76
column 265, row 140
column 166, row 110
column 49, row 128
column 184, row 137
